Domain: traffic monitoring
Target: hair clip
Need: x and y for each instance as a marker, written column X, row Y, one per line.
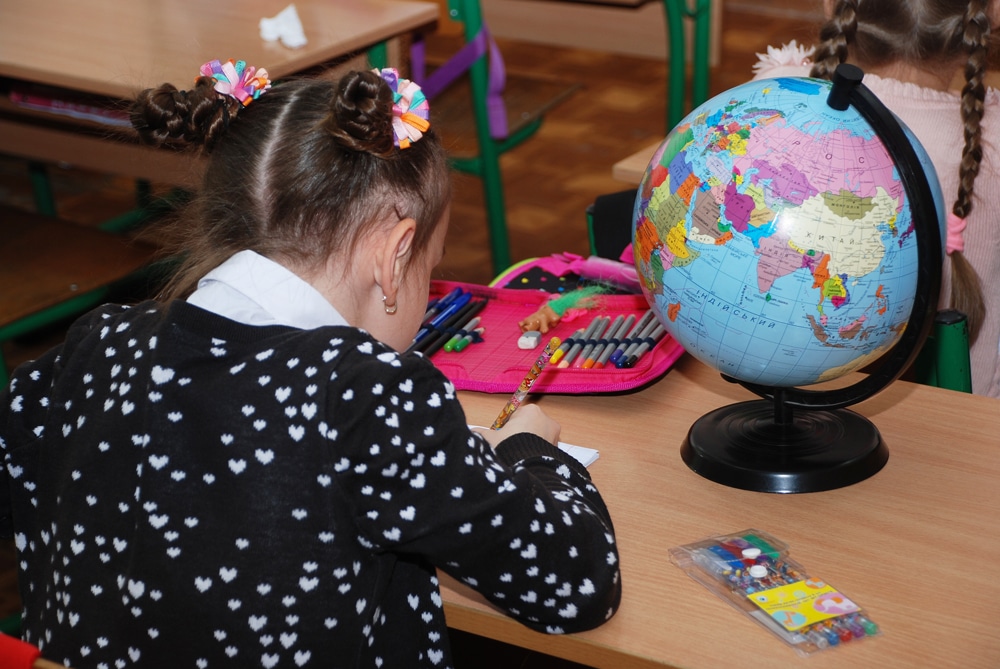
column 954, row 239
column 410, row 109
column 237, row 79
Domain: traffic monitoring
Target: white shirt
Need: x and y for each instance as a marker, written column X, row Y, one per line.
column 254, row 290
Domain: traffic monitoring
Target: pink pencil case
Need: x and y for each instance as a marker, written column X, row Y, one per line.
column 497, row 365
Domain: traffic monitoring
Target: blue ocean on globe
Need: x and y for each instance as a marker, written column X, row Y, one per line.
column 774, row 238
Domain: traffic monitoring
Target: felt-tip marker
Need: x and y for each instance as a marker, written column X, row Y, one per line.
column 635, row 343
column 627, row 339
column 605, row 343
column 581, row 342
column 468, row 339
column 592, row 343
column 648, row 343
column 462, row 332
column 565, row 346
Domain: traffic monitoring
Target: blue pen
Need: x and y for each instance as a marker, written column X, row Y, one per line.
column 440, row 303
column 449, row 311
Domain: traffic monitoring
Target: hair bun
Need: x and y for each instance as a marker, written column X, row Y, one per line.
column 362, row 113
column 168, row 116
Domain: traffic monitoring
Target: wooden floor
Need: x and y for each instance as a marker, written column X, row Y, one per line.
column 549, row 182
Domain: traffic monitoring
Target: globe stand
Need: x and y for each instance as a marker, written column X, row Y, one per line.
column 796, row 440
column 768, row 447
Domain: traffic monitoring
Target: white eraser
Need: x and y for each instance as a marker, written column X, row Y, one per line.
column 530, row 339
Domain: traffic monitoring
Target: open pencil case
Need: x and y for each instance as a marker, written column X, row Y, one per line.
column 496, row 364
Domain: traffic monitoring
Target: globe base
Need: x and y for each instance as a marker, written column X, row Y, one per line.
column 746, row 445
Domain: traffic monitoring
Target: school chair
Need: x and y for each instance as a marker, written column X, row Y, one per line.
column 17, row 654
column 944, row 361
column 52, row 270
column 680, row 100
column 145, row 206
column 483, row 115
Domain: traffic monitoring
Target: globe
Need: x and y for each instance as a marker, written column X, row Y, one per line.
column 786, row 233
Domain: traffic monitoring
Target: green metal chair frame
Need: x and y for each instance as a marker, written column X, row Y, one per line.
column 486, row 164
column 84, row 301
column 76, row 305
column 676, row 12
column 700, row 12
column 944, row 360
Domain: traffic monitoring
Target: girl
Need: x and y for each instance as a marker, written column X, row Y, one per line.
column 247, row 472
column 911, row 52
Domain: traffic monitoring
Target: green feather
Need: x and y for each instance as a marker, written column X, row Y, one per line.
column 581, row 298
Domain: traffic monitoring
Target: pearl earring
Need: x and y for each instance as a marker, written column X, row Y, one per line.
column 389, row 309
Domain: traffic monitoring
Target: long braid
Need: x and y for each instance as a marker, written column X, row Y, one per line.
column 966, row 287
column 834, row 37
column 878, row 33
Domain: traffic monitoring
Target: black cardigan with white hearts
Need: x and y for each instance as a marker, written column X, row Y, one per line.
column 187, row 491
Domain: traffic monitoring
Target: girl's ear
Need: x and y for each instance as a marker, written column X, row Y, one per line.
column 393, row 257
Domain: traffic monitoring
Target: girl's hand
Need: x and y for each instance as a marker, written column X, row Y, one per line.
column 527, row 418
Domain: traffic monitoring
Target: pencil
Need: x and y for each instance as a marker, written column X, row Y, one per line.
column 522, row 390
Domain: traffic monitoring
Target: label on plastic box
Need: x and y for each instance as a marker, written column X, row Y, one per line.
column 796, row 605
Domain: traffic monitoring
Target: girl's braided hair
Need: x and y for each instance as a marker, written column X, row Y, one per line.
column 304, row 172
column 881, row 32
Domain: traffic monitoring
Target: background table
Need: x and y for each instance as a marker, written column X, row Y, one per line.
column 115, row 48
column 915, row 545
column 632, row 168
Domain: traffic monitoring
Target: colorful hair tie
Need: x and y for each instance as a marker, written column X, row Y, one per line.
column 237, row 79
column 410, row 109
column 954, row 240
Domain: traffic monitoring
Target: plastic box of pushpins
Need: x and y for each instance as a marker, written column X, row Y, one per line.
column 752, row 571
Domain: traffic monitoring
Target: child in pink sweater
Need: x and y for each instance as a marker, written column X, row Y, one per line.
column 911, row 51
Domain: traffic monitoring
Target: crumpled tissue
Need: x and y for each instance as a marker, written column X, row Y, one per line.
column 286, row 27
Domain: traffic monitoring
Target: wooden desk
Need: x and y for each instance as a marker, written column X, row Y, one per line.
column 915, row 545
column 115, row 48
column 633, row 168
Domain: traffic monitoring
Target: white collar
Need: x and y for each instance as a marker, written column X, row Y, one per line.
column 254, row 290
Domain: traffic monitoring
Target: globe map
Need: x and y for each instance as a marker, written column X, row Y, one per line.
column 773, row 236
